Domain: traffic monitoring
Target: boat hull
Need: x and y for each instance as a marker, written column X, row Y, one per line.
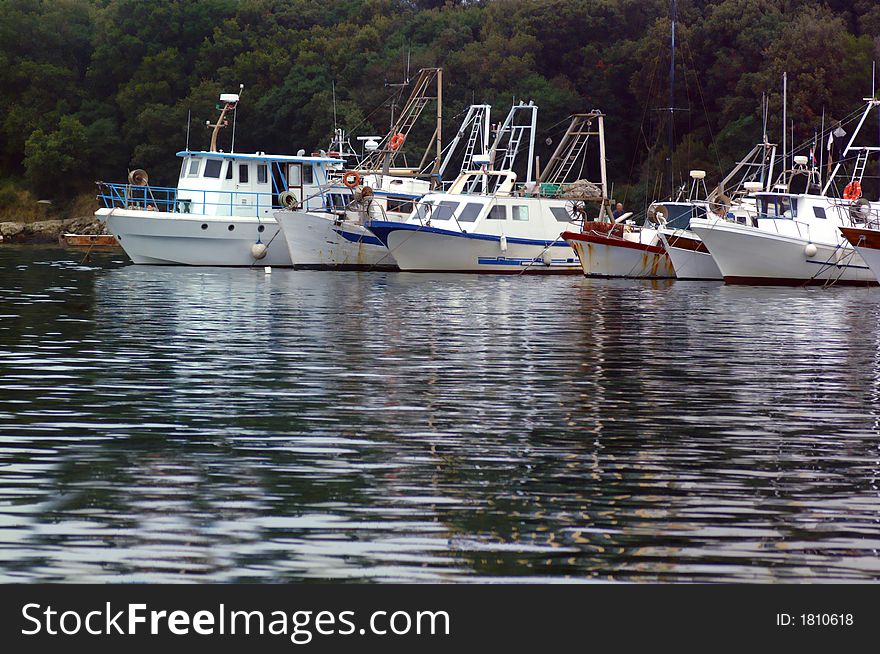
column 602, row 255
column 321, row 241
column 155, row 237
column 428, row 249
column 689, row 256
column 748, row 255
column 90, row 240
column 867, row 244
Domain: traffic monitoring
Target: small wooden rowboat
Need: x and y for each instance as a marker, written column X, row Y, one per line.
column 89, row 240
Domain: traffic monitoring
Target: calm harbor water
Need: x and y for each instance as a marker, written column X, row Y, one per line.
column 173, row 424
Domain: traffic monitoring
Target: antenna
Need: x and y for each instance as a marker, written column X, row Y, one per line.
column 672, row 104
column 821, row 146
column 764, row 114
column 234, row 116
column 188, row 120
column 784, row 109
column 333, row 91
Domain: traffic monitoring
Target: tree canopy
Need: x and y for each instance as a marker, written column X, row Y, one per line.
column 95, row 87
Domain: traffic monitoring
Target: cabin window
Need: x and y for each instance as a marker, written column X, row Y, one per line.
column 520, row 212
column 294, row 175
column 212, row 168
column 470, row 212
column 242, row 173
column 498, row 212
column 308, row 178
column 337, row 201
column 445, row 210
column 560, row 214
column 423, row 211
column 262, row 174
column 229, row 170
column 194, row 167
column 183, row 168
column 819, row 212
column 400, row 205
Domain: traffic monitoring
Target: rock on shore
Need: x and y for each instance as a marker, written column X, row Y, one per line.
column 49, row 231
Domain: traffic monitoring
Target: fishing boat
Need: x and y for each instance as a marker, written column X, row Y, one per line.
column 690, row 257
column 488, row 222
column 334, row 236
column 221, row 213
column 622, row 248
column 795, row 238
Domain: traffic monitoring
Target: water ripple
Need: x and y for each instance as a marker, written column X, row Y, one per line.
column 161, row 424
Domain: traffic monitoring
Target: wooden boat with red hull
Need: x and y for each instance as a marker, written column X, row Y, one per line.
column 866, row 241
column 615, row 250
column 689, row 243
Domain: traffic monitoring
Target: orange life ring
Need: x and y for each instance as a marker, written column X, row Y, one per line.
column 351, row 179
column 853, row 191
column 397, row 140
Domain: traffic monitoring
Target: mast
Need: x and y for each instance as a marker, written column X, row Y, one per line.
column 670, row 127
column 784, row 108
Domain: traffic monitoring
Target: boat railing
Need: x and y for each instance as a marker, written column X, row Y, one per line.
column 859, row 213
column 192, row 201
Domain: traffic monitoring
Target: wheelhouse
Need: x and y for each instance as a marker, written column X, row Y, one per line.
column 231, row 184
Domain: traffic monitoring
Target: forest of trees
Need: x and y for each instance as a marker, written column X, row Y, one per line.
column 94, row 87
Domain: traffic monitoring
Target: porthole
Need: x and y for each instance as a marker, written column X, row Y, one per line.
column 204, row 225
column 261, row 228
column 231, row 227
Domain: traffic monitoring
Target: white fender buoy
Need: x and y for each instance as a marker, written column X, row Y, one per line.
column 503, row 243
column 268, row 270
column 548, row 258
column 810, row 250
column 258, row 250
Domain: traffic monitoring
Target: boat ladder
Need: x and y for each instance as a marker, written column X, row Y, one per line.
column 861, row 164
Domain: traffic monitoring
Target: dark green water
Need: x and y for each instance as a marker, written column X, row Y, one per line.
column 167, row 424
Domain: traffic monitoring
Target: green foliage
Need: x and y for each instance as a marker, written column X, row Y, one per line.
column 94, row 87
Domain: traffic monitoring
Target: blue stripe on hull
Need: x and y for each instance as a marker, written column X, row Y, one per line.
column 831, row 264
column 504, row 261
column 382, row 229
column 359, row 238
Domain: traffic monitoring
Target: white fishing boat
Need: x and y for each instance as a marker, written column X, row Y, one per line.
column 690, row 257
column 221, row 211
column 794, row 238
column 487, row 222
column 333, row 235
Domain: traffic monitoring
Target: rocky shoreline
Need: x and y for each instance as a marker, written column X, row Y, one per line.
column 49, row 231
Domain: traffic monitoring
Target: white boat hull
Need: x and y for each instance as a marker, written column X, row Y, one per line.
column 748, row 255
column 155, row 237
column 426, row 249
column 688, row 259
column 601, row 258
column 316, row 240
column 871, row 258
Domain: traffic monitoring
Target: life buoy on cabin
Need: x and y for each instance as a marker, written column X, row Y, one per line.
column 397, row 140
column 351, row 179
column 853, row 191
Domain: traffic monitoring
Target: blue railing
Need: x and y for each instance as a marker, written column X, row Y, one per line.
column 194, row 201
